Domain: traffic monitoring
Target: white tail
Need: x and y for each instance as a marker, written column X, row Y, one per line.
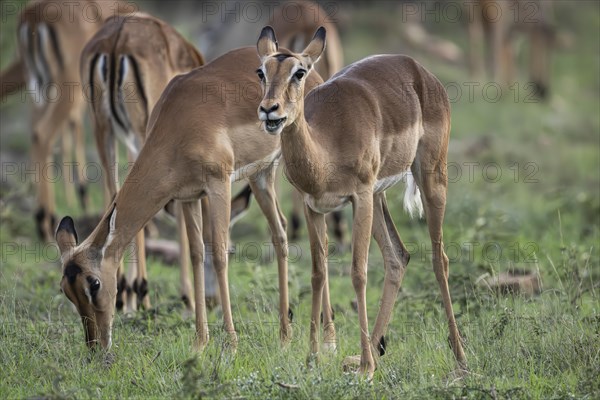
column 412, row 197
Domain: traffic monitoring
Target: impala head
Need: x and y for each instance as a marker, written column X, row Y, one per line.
column 283, row 75
column 88, row 281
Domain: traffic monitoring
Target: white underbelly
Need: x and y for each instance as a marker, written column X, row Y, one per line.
column 248, row 170
column 331, row 202
column 326, row 203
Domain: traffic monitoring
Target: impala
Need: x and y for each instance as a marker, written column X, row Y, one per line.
column 51, row 35
column 127, row 65
column 497, row 24
column 377, row 121
column 201, row 135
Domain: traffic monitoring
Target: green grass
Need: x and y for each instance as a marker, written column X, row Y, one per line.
column 541, row 214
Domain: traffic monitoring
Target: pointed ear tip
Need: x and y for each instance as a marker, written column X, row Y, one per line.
column 267, row 31
column 67, row 224
column 321, row 32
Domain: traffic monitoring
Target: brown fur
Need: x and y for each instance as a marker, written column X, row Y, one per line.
column 155, row 53
column 376, row 118
column 53, row 59
column 201, row 130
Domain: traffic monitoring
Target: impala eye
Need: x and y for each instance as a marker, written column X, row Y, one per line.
column 300, row 74
column 94, row 285
column 261, row 74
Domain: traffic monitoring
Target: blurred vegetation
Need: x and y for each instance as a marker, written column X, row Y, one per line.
column 524, row 193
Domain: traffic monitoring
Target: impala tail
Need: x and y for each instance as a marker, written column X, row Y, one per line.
column 43, row 59
column 412, row 197
column 116, row 84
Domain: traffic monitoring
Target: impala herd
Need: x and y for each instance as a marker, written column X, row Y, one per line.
column 378, row 121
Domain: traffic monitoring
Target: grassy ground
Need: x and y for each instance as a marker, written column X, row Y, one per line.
column 524, row 193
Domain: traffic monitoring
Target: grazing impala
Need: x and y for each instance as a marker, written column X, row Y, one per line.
column 51, row 35
column 496, row 25
column 127, row 65
column 202, row 134
column 378, row 121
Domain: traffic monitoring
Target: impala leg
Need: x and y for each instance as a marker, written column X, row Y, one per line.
column 263, row 188
column 219, row 198
column 211, row 287
column 131, row 300
column 184, row 255
column 339, row 229
column 295, row 217
column 67, row 157
column 395, row 260
column 78, row 134
column 44, row 136
column 329, row 337
column 475, row 35
column 317, row 234
column 433, row 185
column 141, row 284
column 361, row 237
column 106, row 143
column 192, row 213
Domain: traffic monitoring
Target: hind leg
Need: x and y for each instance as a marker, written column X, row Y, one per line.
column 80, row 178
column 432, row 179
column 184, row 256
column 262, row 185
column 67, row 167
column 395, row 260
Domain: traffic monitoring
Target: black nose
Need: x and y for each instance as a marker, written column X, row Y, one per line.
column 274, row 107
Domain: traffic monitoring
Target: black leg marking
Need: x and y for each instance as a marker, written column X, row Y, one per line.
column 295, row 227
column 142, row 289
column 83, row 198
column 381, row 346
column 540, row 90
column 338, row 229
column 332, row 315
column 290, row 314
column 53, row 223
column 185, row 300
column 121, row 287
column 39, row 218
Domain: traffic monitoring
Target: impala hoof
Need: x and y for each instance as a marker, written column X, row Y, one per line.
column 329, row 347
column 354, row 364
column 286, row 335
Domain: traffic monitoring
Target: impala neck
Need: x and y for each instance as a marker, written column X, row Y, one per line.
column 143, row 194
column 306, row 163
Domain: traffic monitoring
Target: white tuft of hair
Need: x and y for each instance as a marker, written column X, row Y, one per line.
column 412, row 197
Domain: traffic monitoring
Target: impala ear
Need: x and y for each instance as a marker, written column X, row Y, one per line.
column 66, row 236
column 315, row 48
column 267, row 43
